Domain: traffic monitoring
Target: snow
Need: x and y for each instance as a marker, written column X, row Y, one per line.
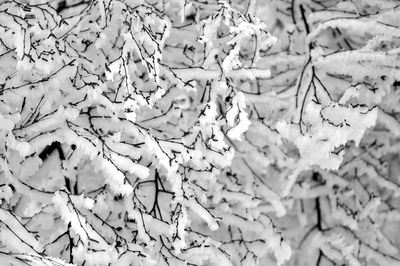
column 237, row 110
column 199, row 132
column 14, row 234
column 336, row 126
column 6, row 124
column 70, row 216
column 203, row 213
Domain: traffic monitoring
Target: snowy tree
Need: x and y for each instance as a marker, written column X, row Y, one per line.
column 330, row 136
column 185, row 132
